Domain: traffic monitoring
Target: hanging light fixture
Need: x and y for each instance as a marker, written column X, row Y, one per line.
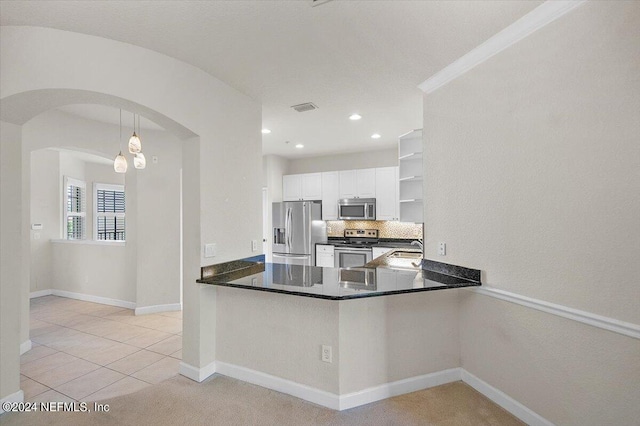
column 135, row 145
column 139, row 162
column 120, row 163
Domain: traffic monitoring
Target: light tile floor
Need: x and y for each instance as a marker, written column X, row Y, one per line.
column 85, row 351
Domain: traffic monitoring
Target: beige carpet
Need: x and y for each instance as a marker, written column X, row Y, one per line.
column 224, row 401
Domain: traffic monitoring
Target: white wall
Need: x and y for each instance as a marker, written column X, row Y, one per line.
column 532, row 176
column 146, row 271
column 45, row 193
column 346, row 161
column 11, row 271
column 273, row 168
column 391, row 338
column 219, row 126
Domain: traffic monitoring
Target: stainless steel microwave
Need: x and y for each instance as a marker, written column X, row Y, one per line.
column 357, row 209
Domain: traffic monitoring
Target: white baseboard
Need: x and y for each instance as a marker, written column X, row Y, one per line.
column 317, row 396
column 399, row 387
column 25, row 346
column 365, row 396
column 154, row 309
column 14, row 397
column 85, row 297
column 195, row 373
column 505, row 401
column 40, row 293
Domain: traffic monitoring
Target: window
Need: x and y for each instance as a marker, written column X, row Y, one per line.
column 109, row 212
column 75, row 209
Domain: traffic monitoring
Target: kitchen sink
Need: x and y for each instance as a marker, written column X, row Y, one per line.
column 401, row 254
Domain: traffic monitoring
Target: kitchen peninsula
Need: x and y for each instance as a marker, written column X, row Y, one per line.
column 396, row 272
column 359, row 346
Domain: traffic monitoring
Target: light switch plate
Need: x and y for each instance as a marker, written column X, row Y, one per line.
column 210, row 250
column 254, row 245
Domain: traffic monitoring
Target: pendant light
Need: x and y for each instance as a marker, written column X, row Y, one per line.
column 120, row 163
column 135, row 145
column 139, row 162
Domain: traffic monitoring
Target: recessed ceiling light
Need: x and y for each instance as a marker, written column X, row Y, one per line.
column 355, row 117
column 266, row 131
column 375, row 136
column 299, row 146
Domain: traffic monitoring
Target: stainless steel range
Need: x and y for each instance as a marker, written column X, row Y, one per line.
column 355, row 250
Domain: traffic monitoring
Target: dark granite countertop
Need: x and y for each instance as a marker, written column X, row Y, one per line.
column 339, row 283
column 382, row 242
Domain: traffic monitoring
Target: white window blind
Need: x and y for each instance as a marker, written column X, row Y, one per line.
column 75, row 209
column 109, row 212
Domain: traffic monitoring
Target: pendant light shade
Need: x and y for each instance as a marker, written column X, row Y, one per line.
column 120, row 163
column 135, row 145
column 139, row 162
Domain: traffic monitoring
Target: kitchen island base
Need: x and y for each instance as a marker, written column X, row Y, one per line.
column 381, row 347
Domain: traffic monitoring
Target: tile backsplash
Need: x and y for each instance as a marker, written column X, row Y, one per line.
column 386, row 229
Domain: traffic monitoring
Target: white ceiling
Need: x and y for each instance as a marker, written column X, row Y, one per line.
column 108, row 114
column 345, row 56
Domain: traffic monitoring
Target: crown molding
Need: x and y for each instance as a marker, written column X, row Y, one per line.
column 539, row 17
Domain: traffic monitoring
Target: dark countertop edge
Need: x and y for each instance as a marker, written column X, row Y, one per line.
column 345, row 297
column 452, row 270
column 381, row 241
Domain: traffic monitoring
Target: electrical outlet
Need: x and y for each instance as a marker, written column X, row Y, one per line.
column 326, row 354
column 254, row 281
column 210, row 250
column 254, row 245
column 442, row 249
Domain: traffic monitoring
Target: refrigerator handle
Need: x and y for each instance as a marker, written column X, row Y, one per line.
column 288, row 226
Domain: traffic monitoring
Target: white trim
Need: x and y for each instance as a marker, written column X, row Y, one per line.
column 40, row 293
column 539, row 17
column 399, row 387
column 91, row 242
column 606, row 323
column 365, row 396
column 195, row 373
column 25, row 346
column 154, row 309
column 317, row 396
column 14, row 397
column 505, row 401
column 95, row 299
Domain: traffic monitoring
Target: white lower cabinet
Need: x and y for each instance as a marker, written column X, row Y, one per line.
column 379, row 251
column 324, row 256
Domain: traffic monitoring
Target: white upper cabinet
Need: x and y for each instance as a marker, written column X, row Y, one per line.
column 386, row 183
column 302, row 187
column 312, row 186
column 358, row 183
column 366, row 183
column 291, row 188
column 348, row 184
column 330, row 195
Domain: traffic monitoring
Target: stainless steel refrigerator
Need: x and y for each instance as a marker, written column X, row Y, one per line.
column 297, row 227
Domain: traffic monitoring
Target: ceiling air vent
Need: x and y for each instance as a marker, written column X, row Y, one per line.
column 309, row 106
column 315, row 3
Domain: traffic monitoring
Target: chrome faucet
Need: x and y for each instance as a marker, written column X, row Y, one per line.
column 417, row 243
